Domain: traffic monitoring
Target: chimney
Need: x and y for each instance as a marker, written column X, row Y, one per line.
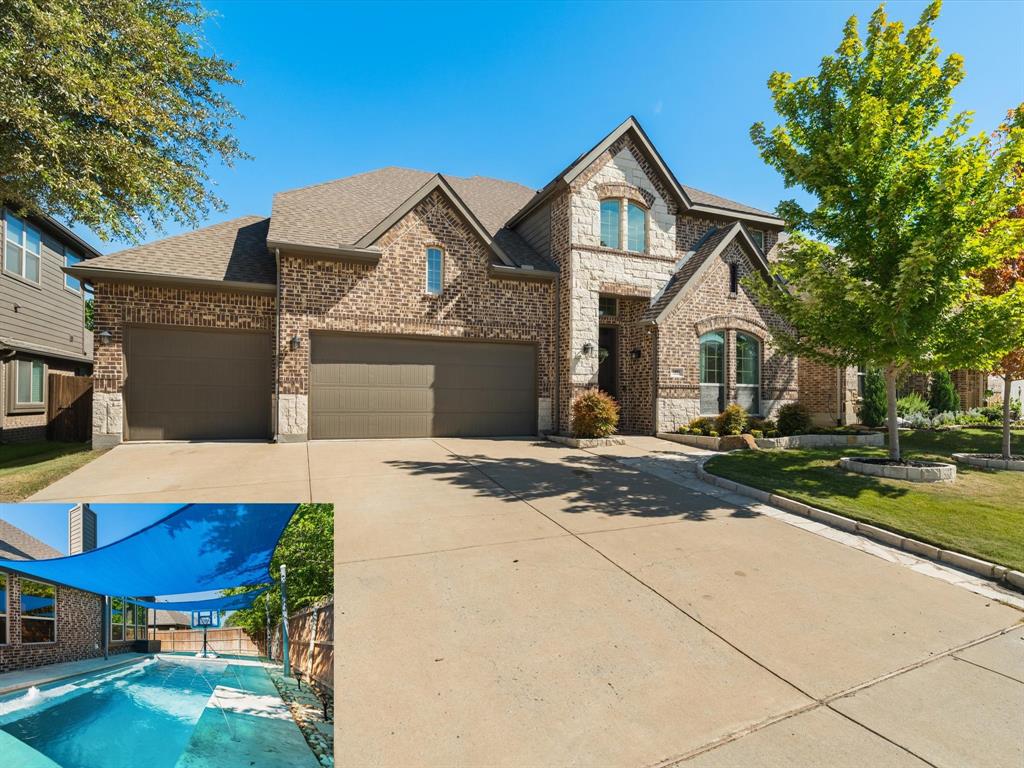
column 81, row 529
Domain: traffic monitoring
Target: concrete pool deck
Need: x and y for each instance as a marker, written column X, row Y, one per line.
column 20, row 679
column 247, row 725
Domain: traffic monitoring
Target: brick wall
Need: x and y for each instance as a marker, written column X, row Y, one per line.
column 709, row 306
column 636, row 392
column 389, row 298
column 79, row 630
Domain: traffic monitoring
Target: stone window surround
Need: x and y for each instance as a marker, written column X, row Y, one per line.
column 729, row 326
column 626, row 194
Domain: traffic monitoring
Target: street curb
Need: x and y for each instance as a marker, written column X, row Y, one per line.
column 998, row 573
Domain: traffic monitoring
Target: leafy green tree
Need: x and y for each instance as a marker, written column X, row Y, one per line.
column 90, row 313
column 872, row 408
column 878, row 264
column 942, row 395
column 112, row 112
column 307, row 549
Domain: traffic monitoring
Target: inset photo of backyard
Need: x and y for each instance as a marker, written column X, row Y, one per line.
column 166, row 635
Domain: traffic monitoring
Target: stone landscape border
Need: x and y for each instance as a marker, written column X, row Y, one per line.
column 586, row 442
column 731, row 442
column 977, row 460
column 975, row 565
column 935, row 472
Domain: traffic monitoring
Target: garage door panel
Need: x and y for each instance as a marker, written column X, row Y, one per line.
column 185, row 384
column 387, row 387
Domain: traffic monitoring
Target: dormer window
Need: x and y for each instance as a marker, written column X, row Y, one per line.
column 435, row 271
column 611, row 215
column 636, row 229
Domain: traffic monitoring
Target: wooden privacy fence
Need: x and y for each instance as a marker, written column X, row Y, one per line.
column 229, row 640
column 310, row 643
column 69, row 408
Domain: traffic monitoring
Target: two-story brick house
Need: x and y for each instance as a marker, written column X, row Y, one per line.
column 44, row 623
column 42, row 319
column 406, row 303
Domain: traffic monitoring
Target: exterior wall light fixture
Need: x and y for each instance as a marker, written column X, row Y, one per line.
column 295, row 342
column 105, row 338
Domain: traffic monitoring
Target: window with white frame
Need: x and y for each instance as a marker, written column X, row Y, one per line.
column 748, row 372
column 611, row 215
column 73, row 284
column 712, row 373
column 3, row 608
column 22, row 249
column 435, row 270
column 38, row 612
column 636, row 228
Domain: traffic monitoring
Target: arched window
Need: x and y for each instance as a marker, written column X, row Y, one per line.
column 748, row 372
column 712, row 373
column 611, row 213
column 636, row 228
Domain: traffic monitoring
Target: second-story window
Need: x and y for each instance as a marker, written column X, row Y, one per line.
column 21, row 248
column 72, row 283
column 758, row 236
column 611, row 213
column 435, row 270
column 636, row 227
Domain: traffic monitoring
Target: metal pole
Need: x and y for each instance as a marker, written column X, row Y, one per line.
column 284, row 621
column 105, row 624
column 266, row 608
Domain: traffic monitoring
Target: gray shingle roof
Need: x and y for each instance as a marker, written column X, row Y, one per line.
column 689, row 268
column 340, row 212
column 15, row 544
column 700, row 197
column 170, row 619
column 234, row 250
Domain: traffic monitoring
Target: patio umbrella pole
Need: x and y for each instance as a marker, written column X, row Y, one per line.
column 284, row 622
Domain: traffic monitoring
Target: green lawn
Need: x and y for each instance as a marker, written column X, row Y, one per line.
column 981, row 513
column 27, row 467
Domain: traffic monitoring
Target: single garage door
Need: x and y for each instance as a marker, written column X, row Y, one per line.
column 387, row 387
column 185, row 384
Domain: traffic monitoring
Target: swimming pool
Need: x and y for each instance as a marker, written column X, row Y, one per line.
column 140, row 715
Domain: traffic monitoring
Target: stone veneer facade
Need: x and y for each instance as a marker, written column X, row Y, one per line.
column 387, row 298
column 79, row 630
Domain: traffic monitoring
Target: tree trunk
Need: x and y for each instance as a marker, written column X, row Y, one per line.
column 1007, row 384
column 894, row 427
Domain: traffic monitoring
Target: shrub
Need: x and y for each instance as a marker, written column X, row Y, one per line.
column 702, row 425
column 763, row 425
column 793, row 419
column 594, row 414
column 713, row 433
column 910, row 405
column 757, row 434
column 942, row 395
column 872, row 409
column 732, row 420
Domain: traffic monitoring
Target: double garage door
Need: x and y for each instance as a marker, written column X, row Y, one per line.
column 200, row 384
column 362, row 386
column 185, row 384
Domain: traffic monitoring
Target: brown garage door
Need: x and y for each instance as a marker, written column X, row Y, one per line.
column 386, row 387
column 185, row 384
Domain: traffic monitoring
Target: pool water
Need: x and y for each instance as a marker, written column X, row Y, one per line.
column 140, row 716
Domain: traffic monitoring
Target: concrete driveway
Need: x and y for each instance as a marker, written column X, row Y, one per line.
column 508, row 602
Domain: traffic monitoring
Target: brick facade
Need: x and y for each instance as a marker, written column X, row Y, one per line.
column 79, row 630
column 389, row 298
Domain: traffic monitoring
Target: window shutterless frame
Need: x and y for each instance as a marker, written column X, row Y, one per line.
column 26, row 386
column 116, row 619
column 72, row 284
column 39, row 610
column 435, row 271
column 22, row 250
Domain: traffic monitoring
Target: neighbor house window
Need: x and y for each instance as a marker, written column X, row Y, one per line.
column 712, row 373
column 435, row 270
column 72, row 283
column 636, row 227
column 21, row 248
column 758, row 237
column 116, row 619
column 29, row 384
column 611, row 214
column 3, row 609
column 607, row 306
column 748, row 372
column 38, row 612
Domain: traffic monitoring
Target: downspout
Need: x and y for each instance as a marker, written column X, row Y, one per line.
column 655, row 366
column 277, row 347
column 556, row 400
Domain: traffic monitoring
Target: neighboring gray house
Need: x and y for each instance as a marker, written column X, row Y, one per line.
column 42, row 319
column 169, row 620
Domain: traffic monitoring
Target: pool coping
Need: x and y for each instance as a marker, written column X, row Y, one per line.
column 69, row 671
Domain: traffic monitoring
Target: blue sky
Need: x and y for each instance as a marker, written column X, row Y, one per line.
column 518, row 91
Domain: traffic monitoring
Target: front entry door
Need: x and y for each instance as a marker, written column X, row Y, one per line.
column 608, row 367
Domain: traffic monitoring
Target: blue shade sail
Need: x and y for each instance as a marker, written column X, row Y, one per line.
column 223, row 603
column 199, row 548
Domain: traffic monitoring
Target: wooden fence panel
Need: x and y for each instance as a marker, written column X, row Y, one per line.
column 310, row 643
column 229, row 640
column 69, row 408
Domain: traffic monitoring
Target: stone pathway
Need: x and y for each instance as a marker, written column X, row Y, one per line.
column 678, row 464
